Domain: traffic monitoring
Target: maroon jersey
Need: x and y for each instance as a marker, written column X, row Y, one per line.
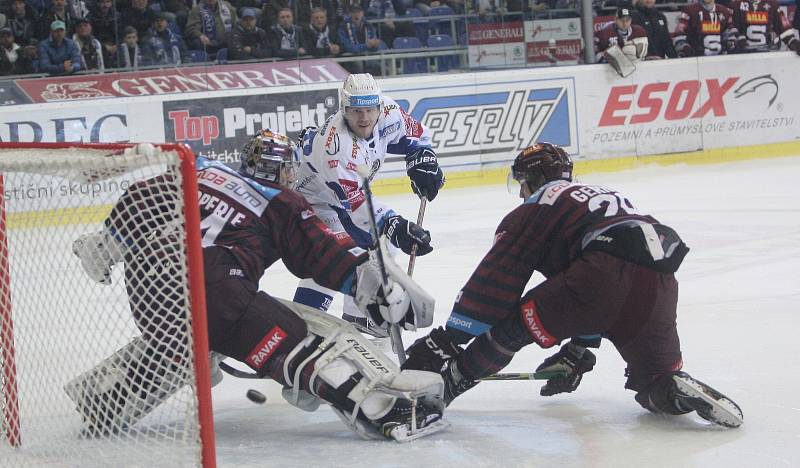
column 761, row 23
column 546, row 234
column 259, row 224
column 612, row 36
column 702, row 31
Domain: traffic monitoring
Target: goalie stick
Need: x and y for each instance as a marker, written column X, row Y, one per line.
column 542, row 375
column 394, row 329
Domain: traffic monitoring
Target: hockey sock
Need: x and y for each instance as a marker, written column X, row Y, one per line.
column 313, row 298
column 483, row 357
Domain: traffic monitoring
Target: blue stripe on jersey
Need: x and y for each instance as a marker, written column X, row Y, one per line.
column 268, row 192
column 361, row 237
column 467, row 324
column 339, row 191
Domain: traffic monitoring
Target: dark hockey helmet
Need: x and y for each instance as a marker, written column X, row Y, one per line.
column 539, row 164
column 269, row 156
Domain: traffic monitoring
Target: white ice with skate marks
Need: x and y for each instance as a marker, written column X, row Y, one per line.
column 737, row 317
column 738, row 320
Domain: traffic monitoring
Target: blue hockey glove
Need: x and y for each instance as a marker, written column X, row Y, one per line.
column 426, row 176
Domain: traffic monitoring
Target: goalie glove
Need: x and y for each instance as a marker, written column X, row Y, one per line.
column 404, row 302
column 572, row 361
column 404, row 234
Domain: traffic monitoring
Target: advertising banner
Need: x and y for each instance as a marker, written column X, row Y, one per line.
column 183, row 80
column 687, row 105
column 219, row 127
column 490, row 121
column 81, row 124
column 550, row 42
column 496, row 44
column 11, row 94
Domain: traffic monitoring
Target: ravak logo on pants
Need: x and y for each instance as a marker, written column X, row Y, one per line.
column 264, row 349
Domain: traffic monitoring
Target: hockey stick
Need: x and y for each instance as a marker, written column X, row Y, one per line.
column 541, row 375
column 228, row 369
column 423, row 203
column 394, row 329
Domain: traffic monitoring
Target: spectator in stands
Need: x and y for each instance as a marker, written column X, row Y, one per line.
column 179, row 8
column 249, row 41
column 558, row 8
column 58, row 11
column 285, row 39
column 387, row 10
column 655, row 24
column 22, row 22
column 138, row 16
column 38, row 7
column 59, row 55
column 90, row 49
column 357, row 37
column 162, row 46
column 105, row 23
column 129, row 54
column 305, row 10
column 269, row 14
column 210, row 25
column 321, row 38
column 14, row 60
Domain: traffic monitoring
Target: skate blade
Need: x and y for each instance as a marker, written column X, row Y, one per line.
column 402, row 433
column 723, row 411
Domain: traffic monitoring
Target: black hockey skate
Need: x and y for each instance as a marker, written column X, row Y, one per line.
column 455, row 384
column 407, row 421
column 711, row 405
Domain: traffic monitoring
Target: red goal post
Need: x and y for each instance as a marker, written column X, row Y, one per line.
column 57, row 324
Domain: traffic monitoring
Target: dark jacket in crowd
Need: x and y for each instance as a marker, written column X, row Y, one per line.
column 318, row 43
column 52, row 58
column 658, row 36
column 22, row 65
column 256, row 39
column 24, row 29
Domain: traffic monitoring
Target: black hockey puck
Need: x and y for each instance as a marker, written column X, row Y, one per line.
column 255, row 396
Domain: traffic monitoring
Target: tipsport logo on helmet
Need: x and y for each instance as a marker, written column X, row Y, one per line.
column 365, row 101
column 498, row 117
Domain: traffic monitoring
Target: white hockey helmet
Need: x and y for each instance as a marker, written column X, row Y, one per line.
column 360, row 90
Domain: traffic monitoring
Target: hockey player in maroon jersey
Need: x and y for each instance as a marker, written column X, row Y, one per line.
column 249, row 220
column 760, row 25
column 705, row 28
column 609, row 272
column 621, row 43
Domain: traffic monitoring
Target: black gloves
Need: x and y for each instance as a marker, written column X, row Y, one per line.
column 404, row 234
column 432, row 353
column 423, row 170
column 574, row 360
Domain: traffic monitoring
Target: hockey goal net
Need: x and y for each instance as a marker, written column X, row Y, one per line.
column 98, row 374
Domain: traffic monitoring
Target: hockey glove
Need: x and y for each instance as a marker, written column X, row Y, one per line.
column 433, row 352
column 571, row 359
column 384, row 306
column 423, row 170
column 404, row 234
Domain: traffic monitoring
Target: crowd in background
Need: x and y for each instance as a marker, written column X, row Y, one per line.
column 59, row 37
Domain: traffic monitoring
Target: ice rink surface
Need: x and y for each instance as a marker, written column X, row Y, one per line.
column 738, row 321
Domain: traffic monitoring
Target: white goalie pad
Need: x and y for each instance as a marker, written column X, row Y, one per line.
column 620, row 61
column 109, row 401
column 343, row 352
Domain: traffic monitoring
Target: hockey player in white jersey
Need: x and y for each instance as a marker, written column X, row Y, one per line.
column 367, row 127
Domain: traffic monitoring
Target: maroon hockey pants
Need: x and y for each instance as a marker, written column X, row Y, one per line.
column 631, row 305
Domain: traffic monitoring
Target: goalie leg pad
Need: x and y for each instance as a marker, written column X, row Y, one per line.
column 115, row 395
column 375, row 399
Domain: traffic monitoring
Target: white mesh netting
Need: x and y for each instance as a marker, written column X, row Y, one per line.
column 104, row 374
